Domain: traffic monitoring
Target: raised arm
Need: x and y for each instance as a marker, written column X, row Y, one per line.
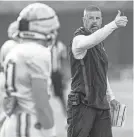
column 86, row 42
column 81, row 42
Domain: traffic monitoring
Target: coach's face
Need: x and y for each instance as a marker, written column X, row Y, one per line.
column 92, row 21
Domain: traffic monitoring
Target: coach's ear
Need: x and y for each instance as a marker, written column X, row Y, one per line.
column 23, row 25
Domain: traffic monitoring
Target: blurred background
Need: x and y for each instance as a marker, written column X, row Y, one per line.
column 119, row 47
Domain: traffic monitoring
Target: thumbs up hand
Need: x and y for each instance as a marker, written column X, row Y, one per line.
column 121, row 21
column 119, row 13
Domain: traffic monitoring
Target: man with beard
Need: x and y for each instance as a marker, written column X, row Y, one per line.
column 91, row 96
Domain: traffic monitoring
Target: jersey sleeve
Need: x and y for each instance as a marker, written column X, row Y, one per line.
column 5, row 49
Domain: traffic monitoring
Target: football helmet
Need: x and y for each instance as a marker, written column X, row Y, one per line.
column 38, row 21
column 13, row 30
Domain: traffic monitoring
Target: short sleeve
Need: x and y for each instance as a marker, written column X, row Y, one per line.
column 39, row 67
column 6, row 48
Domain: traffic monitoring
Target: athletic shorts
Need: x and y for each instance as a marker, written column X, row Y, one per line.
column 84, row 121
column 22, row 125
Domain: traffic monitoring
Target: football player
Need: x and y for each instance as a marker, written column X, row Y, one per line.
column 27, row 69
column 6, row 47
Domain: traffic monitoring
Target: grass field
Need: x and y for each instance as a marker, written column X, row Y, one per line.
column 123, row 91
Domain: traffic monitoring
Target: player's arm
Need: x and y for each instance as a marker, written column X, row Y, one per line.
column 109, row 93
column 40, row 79
column 43, row 107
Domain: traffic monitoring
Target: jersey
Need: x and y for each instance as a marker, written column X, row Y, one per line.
column 26, row 61
column 6, row 47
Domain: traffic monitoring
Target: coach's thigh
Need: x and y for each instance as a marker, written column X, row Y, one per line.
column 80, row 120
column 102, row 126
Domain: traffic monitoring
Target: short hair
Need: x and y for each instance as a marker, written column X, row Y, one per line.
column 91, row 8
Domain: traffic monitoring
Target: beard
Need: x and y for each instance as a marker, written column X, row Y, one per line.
column 91, row 27
column 94, row 28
